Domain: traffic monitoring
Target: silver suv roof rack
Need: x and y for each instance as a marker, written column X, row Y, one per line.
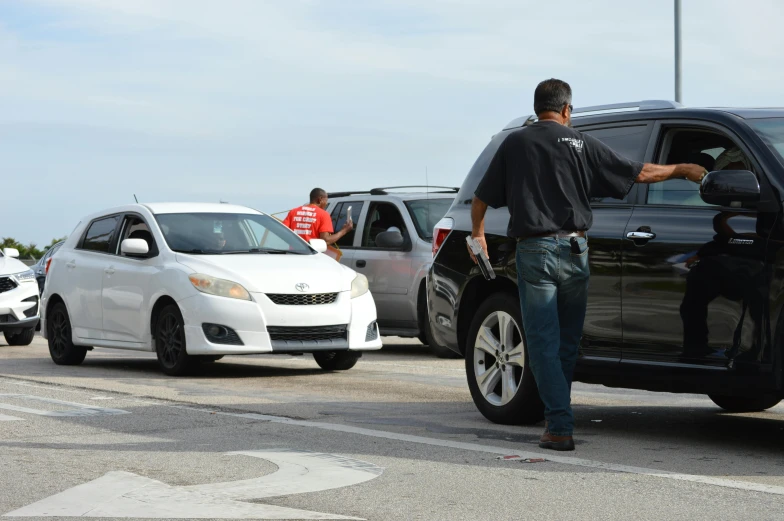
column 384, row 191
column 630, row 107
column 604, row 109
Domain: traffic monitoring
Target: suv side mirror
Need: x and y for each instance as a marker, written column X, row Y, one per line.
column 11, row 252
column 730, row 188
column 135, row 248
column 390, row 239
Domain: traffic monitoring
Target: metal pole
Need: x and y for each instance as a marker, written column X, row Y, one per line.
column 678, row 97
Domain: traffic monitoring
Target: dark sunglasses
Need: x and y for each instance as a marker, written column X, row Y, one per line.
column 571, row 108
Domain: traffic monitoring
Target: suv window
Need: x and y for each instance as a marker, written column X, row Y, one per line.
column 100, row 234
column 426, row 213
column 339, row 216
column 380, row 218
column 709, row 149
column 630, row 141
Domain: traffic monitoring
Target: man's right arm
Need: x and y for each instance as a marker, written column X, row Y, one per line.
column 332, row 238
column 652, row 173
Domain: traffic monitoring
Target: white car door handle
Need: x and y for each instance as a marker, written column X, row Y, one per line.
column 641, row 236
column 109, row 271
column 70, row 264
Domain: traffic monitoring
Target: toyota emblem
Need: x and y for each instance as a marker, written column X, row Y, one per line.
column 302, row 287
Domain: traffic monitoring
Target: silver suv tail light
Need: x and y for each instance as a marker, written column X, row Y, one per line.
column 441, row 232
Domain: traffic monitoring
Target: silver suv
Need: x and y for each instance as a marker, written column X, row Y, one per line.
column 392, row 245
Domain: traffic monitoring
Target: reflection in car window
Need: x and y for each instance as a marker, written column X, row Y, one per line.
column 100, row 234
column 426, row 213
column 218, row 233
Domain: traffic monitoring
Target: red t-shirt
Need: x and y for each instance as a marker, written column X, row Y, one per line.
column 309, row 222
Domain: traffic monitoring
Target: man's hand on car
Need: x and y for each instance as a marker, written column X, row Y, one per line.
column 480, row 240
column 694, row 173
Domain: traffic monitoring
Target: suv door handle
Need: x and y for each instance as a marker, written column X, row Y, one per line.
column 361, row 263
column 640, row 236
column 109, row 271
column 70, row 264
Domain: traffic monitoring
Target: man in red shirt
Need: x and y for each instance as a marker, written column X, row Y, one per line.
column 313, row 222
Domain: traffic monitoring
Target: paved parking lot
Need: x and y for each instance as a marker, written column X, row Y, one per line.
column 397, row 437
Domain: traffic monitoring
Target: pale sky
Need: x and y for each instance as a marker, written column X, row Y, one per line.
column 257, row 102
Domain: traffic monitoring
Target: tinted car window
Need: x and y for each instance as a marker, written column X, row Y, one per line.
column 100, row 234
column 628, row 141
column 426, row 213
column 339, row 216
column 772, row 132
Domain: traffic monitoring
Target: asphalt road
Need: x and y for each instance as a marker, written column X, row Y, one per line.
column 397, row 437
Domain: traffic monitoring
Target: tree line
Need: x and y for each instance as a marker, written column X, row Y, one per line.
column 27, row 251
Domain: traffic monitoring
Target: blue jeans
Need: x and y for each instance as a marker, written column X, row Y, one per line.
column 553, row 285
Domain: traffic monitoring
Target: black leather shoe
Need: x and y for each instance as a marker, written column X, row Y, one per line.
column 549, row 441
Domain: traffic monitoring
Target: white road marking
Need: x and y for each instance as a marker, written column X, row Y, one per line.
column 5, row 418
column 76, row 409
column 126, row 495
column 554, row 456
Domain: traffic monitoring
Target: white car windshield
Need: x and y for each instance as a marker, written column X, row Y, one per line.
column 229, row 233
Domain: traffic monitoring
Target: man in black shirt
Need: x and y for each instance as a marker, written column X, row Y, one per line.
column 546, row 174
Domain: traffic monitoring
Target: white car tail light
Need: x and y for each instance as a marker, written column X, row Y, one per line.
column 48, row 262
column 441, row 232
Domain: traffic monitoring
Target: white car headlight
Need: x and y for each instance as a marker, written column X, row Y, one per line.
column 25, row 276
column 218, row 287
column 359, row 286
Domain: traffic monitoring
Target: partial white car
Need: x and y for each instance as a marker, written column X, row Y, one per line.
column 194, row 282
column 18, row 299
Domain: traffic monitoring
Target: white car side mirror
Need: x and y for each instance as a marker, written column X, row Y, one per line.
column 14, row 253
column 134, row 247
column 320, row 245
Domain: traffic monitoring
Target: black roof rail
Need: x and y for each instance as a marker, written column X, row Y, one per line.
column 346, row 194
column 383, row 191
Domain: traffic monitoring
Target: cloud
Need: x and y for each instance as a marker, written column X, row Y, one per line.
column 255, row 100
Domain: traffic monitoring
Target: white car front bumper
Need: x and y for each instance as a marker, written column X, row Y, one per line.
column 19, row 307
column 265, row 327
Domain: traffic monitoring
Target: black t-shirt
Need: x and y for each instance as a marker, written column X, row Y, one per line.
column 547, row 173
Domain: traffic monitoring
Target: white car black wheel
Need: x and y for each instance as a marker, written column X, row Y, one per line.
column 336, row 360
column 501, row 383
column 22, row 338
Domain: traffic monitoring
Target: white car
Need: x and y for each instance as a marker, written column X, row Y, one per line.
column 193, row 282
column 18, row 299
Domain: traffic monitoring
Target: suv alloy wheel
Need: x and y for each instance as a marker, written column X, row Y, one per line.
column 501, row 382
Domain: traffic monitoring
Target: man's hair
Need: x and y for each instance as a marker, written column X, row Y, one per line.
column 552, row 95
column 316, row 194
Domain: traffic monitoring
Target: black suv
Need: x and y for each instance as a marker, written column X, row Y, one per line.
column 687, row 281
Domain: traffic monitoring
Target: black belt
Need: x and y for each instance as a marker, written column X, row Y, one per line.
column 559, row 234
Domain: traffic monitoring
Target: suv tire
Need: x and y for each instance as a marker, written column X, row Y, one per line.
column 336, row 360
column 513, row 400
column 745, row 403
column 58, row 332
column 170, row 347
column 23, row 338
